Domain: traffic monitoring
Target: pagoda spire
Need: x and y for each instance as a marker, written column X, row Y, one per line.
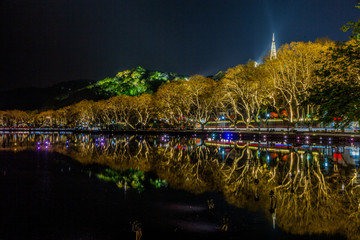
column 273, row 48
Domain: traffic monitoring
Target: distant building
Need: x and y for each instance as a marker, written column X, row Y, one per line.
column 273, row 48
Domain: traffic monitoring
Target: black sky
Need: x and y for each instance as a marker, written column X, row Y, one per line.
column 48, row 41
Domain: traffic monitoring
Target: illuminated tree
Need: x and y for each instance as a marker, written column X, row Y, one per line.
column 122, row 110
column 244, row 92
column 46, row 119
column 132, row 82
column 3, row 118
column 144, row 109
column 292, row 74
column 171, row 105
column 198, row 94
column 83, row 113
column 15, row 118
column 63, row 116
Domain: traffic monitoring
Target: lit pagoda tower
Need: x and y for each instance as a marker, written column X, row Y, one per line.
column 273, row 48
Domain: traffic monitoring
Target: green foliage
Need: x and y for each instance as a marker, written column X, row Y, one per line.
column 134, row 82
column 158, row 183
column 338, row 102
column 354, row 27
column 131, row 178
column 219, row 75
column 338, row 94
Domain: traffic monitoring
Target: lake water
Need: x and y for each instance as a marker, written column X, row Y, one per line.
column 93, row 186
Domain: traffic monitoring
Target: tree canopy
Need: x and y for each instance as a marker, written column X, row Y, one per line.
column 133, row 82
column 337, row 95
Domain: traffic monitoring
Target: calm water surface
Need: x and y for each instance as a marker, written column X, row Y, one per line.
column 67, row 186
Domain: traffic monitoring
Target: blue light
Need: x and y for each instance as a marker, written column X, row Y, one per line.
column 355, row 153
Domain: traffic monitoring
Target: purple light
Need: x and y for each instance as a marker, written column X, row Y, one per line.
column 197, row 226
column 185, row 208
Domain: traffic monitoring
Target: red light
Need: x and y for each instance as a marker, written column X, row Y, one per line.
column 337, row 156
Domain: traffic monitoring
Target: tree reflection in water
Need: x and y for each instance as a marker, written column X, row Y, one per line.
column 303, row 190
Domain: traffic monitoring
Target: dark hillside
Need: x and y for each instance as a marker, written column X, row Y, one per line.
column 132, row 82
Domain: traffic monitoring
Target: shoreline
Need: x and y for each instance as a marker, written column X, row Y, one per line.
column 290, row 134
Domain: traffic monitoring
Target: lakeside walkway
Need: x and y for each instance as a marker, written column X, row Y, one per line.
column 271, row 132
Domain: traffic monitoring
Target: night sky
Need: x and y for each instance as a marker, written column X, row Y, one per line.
column 48, row 41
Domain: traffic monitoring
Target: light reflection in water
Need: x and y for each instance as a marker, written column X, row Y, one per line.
column 303, row 186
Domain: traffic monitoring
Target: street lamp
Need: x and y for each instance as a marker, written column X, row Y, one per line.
column 267, row 116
